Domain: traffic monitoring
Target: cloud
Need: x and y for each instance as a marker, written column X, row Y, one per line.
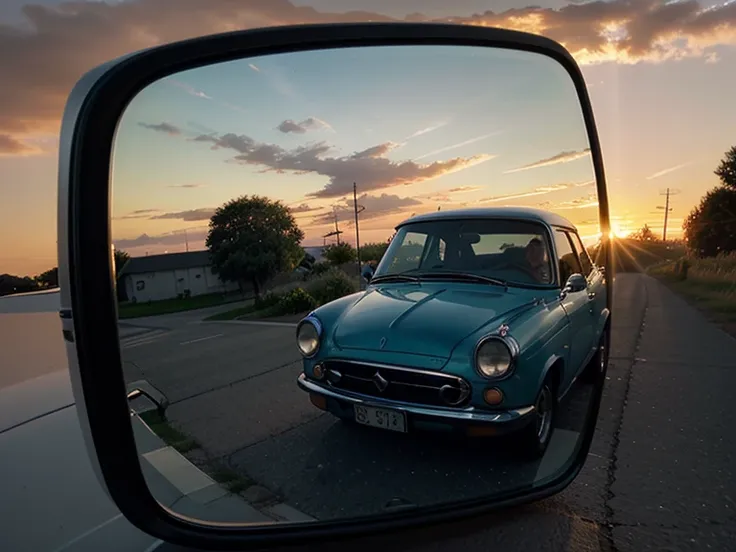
column 464, row 189
column 375, row 207
column 62, row 42
column 368, row 167
column 425, row 130
column 254, row 67
column 179, row 237
column 591, row 200
column 138, row 214
column 11, row 146
column 190, row 215
column 311, row 123
column 667, row 171
column 189, row 89
column 539, row 190
column 163, row 127
column 564, row 157
column 304, row 208
column 186, row 186
column 458, row 145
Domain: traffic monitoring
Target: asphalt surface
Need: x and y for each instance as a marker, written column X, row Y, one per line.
column 658, row 476
column 233, row 388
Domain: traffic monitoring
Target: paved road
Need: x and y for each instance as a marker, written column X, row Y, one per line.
column 658, row 474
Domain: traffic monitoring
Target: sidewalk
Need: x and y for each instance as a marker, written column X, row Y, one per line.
column 675, row 479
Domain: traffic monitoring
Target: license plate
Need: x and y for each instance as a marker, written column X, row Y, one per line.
column 384, row 418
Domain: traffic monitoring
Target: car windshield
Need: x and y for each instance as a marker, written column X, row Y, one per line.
column 510, row 251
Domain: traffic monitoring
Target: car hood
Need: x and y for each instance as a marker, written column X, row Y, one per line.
column 426, row 319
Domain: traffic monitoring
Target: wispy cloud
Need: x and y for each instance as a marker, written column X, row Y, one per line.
column 11, row 146
column 368, row 167
column 458, row 145
column 167, row 128
column 425, row 130
column 190, row 215
column 564, row 157
column 189, row 89
column 668, row 170
column 187, row 186
column 539, row 190
column 591, row 200
column 139, row 214
column 310, row 123
column 376, row 206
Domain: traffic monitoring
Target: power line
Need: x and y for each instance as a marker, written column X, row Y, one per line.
column 667, row 209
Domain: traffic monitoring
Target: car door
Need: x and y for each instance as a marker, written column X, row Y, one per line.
column 596, row 287
column 576, row 304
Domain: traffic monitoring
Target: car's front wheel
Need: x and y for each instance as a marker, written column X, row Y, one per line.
column 534, row 439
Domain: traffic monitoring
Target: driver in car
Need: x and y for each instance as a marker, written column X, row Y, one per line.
column 538, row 261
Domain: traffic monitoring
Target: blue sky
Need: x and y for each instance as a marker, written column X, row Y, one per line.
column 498, row 110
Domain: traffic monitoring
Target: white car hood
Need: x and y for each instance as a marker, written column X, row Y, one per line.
column 50, row 497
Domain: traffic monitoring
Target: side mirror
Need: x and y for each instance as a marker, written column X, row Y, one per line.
column 575, row 283
column 291, row 85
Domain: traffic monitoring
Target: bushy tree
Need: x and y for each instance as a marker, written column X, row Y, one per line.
column 710, row 228
column 120, row 257
column 373, row 251
column 339, row 254
column 252, row 239
column 643, row 234
column 49, row 278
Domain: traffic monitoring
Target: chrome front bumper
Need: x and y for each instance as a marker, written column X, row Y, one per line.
column 469, row 416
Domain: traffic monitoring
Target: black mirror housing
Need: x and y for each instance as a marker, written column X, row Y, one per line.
column 87, row 277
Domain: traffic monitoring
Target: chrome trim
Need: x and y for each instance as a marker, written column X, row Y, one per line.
column 469, row 414
column 514, row 351
column 379, row 365
column 317, row 326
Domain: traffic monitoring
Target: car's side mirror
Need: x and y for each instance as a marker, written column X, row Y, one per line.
column 575, row 283
column 283, row 113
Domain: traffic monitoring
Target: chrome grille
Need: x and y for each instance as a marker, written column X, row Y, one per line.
column 398, row 384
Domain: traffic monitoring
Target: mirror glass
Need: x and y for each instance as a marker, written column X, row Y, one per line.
column 427, row 205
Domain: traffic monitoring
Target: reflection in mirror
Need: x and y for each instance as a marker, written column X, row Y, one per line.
column 427, row 205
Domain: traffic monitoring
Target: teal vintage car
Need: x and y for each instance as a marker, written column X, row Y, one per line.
column 476, row 320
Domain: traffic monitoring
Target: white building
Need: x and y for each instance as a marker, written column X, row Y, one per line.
column 157, row 277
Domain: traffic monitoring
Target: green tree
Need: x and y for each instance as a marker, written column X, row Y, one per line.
column 339, row 254
column 121, row 257
column 710, row 228
column 50, row 278
column 643, row 234
column 726, row 171
column 252, row 239
column 373, row 251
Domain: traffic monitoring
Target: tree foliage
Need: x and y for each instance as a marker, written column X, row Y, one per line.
column 49, row 278
column 710, row 228
column 373, row 251
column 252, row 239
column 339, row 254
column 726, row 171
column 120, row 257
column 644, row 234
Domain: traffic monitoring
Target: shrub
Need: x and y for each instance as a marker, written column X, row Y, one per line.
column 267, row 300
column 295, row 301
column 320, row 268
column 332, row 285
column 338, row 254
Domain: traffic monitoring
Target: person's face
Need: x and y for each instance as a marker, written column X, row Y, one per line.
column 535, row 255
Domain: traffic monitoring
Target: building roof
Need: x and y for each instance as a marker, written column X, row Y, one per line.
column 167, row 261
column 523, row 213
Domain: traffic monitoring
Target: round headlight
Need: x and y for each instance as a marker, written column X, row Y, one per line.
column 307, row 337
column 493, row 358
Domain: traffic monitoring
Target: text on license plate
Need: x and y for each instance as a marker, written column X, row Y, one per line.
column 380, row 417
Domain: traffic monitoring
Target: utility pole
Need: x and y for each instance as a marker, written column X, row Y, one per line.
column 337, row 230
column 668, row 192
column 357, row 209
column 186, row 239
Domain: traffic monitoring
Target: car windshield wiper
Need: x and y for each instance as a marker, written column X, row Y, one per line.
column 467, row 276
column 397, row 277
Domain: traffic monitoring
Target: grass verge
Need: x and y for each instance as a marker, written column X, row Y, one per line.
column 169, row 306
column 167, row 433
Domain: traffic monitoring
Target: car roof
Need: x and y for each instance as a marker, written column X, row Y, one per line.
column 519, row 213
